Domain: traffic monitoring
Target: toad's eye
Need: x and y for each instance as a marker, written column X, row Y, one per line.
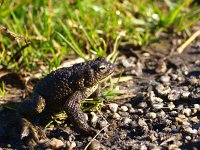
column 102, row 68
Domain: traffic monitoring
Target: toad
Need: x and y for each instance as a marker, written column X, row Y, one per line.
column 63, row 89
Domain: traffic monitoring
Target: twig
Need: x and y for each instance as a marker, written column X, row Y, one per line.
column 95, row 136
column 16, row 37
column 186, row 43
column 17, row 53
column 11, row 34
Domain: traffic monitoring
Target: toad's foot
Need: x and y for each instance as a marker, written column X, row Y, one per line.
column 34, row 106
column 74, row 111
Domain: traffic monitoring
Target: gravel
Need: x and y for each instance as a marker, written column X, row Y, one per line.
column 56, row 143
column 113, row 107
column 164, row 114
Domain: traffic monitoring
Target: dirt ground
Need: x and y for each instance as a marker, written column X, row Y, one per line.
column 159, row 107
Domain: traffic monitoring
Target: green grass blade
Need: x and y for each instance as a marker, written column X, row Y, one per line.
column 78, row 51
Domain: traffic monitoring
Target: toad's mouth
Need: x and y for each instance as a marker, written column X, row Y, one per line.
column 110, row 73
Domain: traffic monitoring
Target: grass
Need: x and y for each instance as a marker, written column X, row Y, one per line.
column 2, row 90
column 85, row 28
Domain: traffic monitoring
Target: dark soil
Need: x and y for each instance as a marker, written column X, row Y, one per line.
column 163, row 114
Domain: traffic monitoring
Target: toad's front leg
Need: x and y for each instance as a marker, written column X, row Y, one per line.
column 72, row 107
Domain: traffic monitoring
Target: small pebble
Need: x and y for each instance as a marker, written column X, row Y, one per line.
column 187, row 112
column 113, row 125
column 188, row 138
column 127, row 120
column 143, row 147
column 158, row 106
column 175, row 130
column 130, row 62
column 173, row 147
column 70, row 145
column 197, row 62
column 95, row 145
column 152, row 137
column 102, row 124
column 174, row 76
column 167, row 129
column 151, row 94
column 129, row 105
column 186, row 123
column 56, row 143
column 116, row 116
column 180, row 107
column 9, row 145
column 184, row 70
column 161, row 66
column 142, row 123
column 195, row 119
column 113, row 107
column 190, row 130
column 108, row 111
column 124, row 108
column 123, row 113
column 165, row 79
column 141, row 111
column 156, row 100
column 180, row 78
column 174, row 113
column 180, row 118
column 132, row 110
column 146, row 54
column 194, row 111
column 185, row 95
column 110, row 133
column 171, row 105
column 162, row 114
column 94, row 117
column 71, row 137
column 193, row 80
column 185, row 88
column 122, row 135
column 162, row 90
column 197, row 107
column 174, row 95
column 151, row 115
column 142, row 105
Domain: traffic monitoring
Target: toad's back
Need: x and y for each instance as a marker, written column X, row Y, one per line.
column 56, row 83
column 57, row 86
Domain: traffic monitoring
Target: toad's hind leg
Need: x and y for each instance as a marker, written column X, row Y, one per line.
column 72, row 107
column 29, row 108
column 34, row 106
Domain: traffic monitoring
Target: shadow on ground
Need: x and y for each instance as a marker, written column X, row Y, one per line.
column 10, row 126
